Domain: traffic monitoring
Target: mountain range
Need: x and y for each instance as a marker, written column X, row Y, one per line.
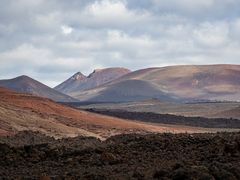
column 178, row 83
column 79, row 82
column 184, row 83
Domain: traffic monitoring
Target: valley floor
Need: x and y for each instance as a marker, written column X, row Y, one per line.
column 207, row 109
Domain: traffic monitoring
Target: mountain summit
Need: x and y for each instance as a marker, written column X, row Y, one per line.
column 79, row 82
column 78, row 76
column 26, row 84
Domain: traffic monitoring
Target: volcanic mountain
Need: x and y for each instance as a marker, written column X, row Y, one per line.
column 19, row 111
column 124, row 91
column 186, row 82
column 79, row 82
column 26, row 84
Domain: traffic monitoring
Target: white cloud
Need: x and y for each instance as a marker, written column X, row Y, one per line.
column 108, row 9
column 85, row 45
column 50, row 40
column 39, row 62
column 118, row 38
column 25, row 52
column 212, row 35
column 109, row 13
column 235, row 29
column 66, row 30
column 189, row 5
column 48, row 21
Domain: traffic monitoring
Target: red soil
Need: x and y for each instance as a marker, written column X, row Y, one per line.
column 99, row 124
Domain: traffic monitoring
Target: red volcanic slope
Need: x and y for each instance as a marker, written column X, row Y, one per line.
column 27, row 112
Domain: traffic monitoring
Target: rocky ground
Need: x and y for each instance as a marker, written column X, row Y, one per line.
column 153, row 156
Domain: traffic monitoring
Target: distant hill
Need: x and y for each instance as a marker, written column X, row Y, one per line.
column 26, row 84
column 79, row 82
column 185, row 82
column 210, row 82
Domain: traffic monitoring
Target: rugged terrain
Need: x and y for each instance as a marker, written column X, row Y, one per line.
column 78, row 82
column 40, row 138
column 153, row 156
column 26, row 84
column 181, row 83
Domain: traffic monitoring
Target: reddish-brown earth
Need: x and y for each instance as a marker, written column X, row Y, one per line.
column 27, row 112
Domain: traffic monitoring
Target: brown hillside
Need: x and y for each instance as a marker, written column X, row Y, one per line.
column 26, row 112
column 25, row 84
column 186, row 82
column 79, row 82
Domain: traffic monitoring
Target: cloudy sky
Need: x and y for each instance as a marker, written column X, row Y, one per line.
column 50, row 40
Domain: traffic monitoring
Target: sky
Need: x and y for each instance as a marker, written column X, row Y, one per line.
column 50, row 40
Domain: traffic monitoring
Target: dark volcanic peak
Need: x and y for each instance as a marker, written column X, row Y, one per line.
column 79, row 82
column 26, row 84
